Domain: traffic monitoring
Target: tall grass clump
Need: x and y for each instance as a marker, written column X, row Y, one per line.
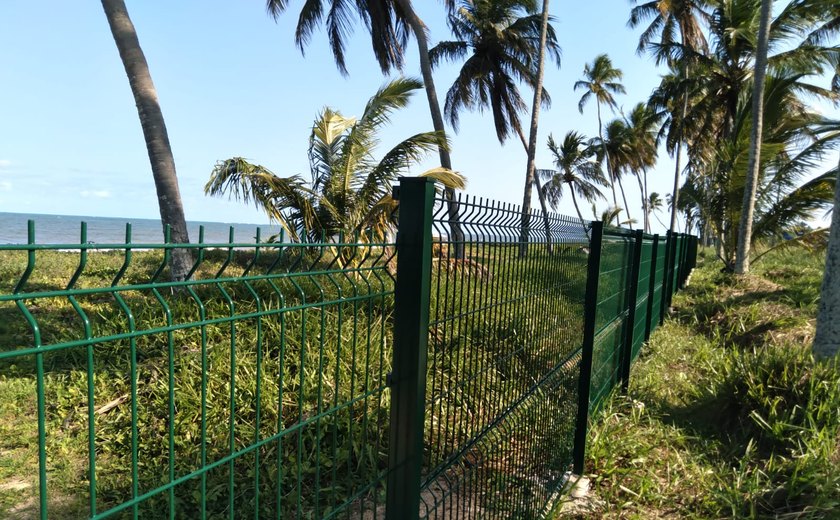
column 728, row 415
column 779, row 413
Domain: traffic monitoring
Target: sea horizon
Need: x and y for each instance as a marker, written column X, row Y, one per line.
column 66, row 229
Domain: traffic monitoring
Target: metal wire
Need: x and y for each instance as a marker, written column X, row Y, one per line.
column 261, row 386
column 255, row 389
column 504, row 349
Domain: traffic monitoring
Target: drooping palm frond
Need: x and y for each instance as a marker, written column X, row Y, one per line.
column 349, row 193
column 286, row 200
column 383, row 19
column 797, row 205
column 669, row 18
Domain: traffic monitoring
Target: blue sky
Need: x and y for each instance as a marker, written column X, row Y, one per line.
column 232, row 83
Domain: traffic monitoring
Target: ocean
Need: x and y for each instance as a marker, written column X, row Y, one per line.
column 66, row 229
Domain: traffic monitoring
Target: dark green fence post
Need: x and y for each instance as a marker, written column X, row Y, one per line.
column 589, row 317
column 411, row 335
column 652, row 287
column 630, row 330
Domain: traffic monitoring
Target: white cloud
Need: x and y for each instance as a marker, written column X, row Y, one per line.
column 5, row 163
column 99, row 194
column 5, row 186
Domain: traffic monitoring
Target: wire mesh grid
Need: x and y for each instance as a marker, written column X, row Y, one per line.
column 612, row 311
column 255, row 389
column 504, row 350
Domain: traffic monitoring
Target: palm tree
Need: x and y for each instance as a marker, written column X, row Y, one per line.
column 531, row 177
column 666, row 18
column 643, row 122
column 389, row 23
column 742, row 252
column 500, row 39
column 154, row 132
column 611, row 216
column 349, row 190
column 655, row 204
column 721, row 85
column 576, row 168
column 602, row 81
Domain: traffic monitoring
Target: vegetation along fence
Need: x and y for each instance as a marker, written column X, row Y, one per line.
column 445, row 375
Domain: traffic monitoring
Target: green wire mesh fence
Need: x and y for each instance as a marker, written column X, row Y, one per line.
column 447, row 374
column 502, row 360
column 255, row 389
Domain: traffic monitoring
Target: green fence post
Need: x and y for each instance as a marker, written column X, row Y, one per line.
column 589, row 317
column 630, row 330
column 411, row 334
column 652, row 286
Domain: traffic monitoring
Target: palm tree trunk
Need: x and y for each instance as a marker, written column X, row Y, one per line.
column 742, row 251
column 154, row 132
column 531, row 148
column 827, row 337
column 606, row 156
column 624, row 198
column 644, row 203
column 419, row 30
column 675, row 195
column 540, row 195
column 659, row 220
column 580, row 215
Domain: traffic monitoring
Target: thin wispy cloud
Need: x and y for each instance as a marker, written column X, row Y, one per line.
column 5, row 186
column 5, row 163
column 98, row 194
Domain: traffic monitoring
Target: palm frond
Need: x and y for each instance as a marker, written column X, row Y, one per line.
column 449, row 51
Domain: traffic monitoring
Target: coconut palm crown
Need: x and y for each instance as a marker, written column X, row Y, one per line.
column 500, row 41
column 349, row 190
column 576, row 168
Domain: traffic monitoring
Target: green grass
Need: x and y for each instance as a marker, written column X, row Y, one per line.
column 727, row 416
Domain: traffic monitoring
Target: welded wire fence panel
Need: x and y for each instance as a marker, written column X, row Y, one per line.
column 503, row 359
column 261, row 386
column 641, row 317
column 676, row 264
column 255, row 389
column 660, row 271
column 612, row 311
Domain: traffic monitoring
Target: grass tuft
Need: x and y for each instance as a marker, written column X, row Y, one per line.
column 728, row 415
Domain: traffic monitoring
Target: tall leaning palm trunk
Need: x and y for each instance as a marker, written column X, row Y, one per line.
column 742, row 252
column 531, row 148
column 540, row 194
column 606, row 156
column 419, row 29
column 579, row 214
column 827, row 337
column 675, row 195
column 154, row 132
